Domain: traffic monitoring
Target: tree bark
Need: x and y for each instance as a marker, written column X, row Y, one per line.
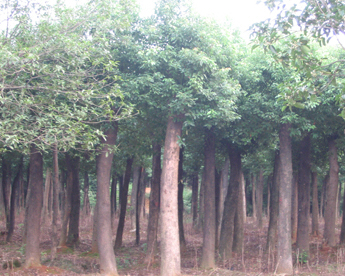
column 152, row 228
column 47, row 188
column 284, row 262
column 315, row 206
column 180, row 201
column 55, row 208
column 195, row 189
column 104, row 230
column 304, row 196
column 237, row 245
column 209, row 237
column 12, row 212
column 253, row 180
column 139, row 206
column 224, row 183
column 230, row 204
column 259, row 198
column 170, row 244
column 73, row 229
column 35, row 201
column 274, row 206
column 331, row 194
column 134, row 195
column 201, row 201
column 323, row 195
column 123, row 200
column 86, row 200
column 113, row 199
column 342, row 232
column 6, row 189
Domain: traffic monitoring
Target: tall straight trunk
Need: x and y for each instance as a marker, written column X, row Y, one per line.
column 284, row 262
column 323, row 198
column 35, row 201
column 237, row 245
column 342, row 232
column 315, row 206
column 230, row 204
column 259, row 198
column 104, row 230
column 331, row 194
column 55, row 207
column 6, row 189
column 123, row 200
column 152, row 228
column 274, row 206
column 134, row 194
column 244, row 195
column 94, row 244
column 269, row 185
column 67, row 204
column 217, row 204
column 195, row 189
column 304, row 196
column 140, row 200
column 209, row 237
column 201, row 201
column 253, row 180
column 180, row 202
column 224, row 183
column 170, row 244
column 338, row 200
column 86, row 200
column 294, row 208
column 73, row 228
column 113, row 199
column 12, row 212
column 47, row 187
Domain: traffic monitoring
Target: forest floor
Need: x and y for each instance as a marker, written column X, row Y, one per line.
column 253, row 261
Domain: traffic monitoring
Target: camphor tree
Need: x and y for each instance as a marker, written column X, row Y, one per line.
column 57, row 86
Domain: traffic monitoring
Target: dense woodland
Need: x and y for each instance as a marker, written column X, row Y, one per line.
column 99, row 105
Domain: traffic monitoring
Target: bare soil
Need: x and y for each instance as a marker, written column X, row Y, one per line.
column 78, row 261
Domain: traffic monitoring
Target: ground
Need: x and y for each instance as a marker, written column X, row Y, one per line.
column 254, row 261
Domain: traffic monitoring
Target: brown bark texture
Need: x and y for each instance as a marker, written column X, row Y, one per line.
column 104, row 230
column 201, row 201
column 113, row 199
column 66, row 206
column 195, row 189
column 209, row 237
column 303, row 195
column 152, row 228
column 230, row 204
column 180, row 202
column 253, row 180
column 134, row 195
column 315, row 206
column 331, row 194
column 35, row 201
column 284, row 261
column 55, row 207
column 259, row 198
column 6, row 188
column 169, row 231
column 140, row 201
column 86, row 200
column 237, row 245
column 47, row 187
column 123, row 200
column 294, row 208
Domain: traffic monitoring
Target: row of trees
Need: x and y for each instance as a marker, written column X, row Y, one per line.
column 88, row 83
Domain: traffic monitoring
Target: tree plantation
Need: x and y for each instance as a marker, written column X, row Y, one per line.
column 169, row 145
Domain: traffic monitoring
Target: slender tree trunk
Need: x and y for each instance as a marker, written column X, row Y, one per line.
column 331, row 194
column 170, row 244
column 201, row 201
column 94, row 245
column 217, row 205
column 6, row 189
column 12, row 213
column 73, row 229
column 224, row 183
column 47, row 186
column 237, row 246
column 180, row 202
column 294, row 208
column 152, row 228
column 86, row 200
column 253, row 180
column 123, row 200
column 104, row 230
column 315, row 208
column 230, row 204
column 67, row 204
column 209, row 238
column 244, row 200
column 338, row 200
column 55, row 207
column 284, row 262
column 304, row 196
column 342, row 232
column 259, row 198
column 35, row 201
column 195, row 189
column 134, row 195
column 274, row 206
column 323, row 198
column 113, row 199
column 140, row 200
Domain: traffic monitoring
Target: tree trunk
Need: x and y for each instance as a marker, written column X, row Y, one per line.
column 35, row 201
column 224, row 183
column 259, row 198
column 338, row 200
column 201, row 201
column 86, row 200
column 180, row 202
column 139, row 206
column 274, row 206
column 342, row 232
column 12, row 212
column 331, row 194
column 134, row 195
column 104, row 230
column 315, row 208
column 73, row 229
column 217, row 205
column 152, row 227
column 323, row 198
column 94, row 244
column 113, row 199
column 55, row 208
column 209, row 237
column 195, row 189
column 253, row 180
column 123, row 200
column 294, row 208
column 47, row 186
column 170, row 244
column 304, row 196
column 67, row 204
column 284, row 261
column 237, row 246
column 6, row 189
column 230, row 204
